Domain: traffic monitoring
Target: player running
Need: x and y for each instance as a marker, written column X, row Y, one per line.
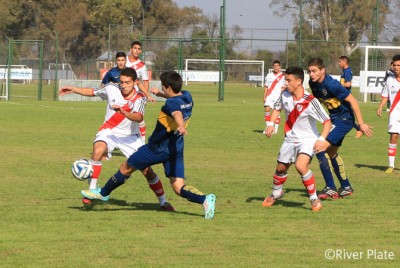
column 391, row 92
column 341, row 105
column 301, row 135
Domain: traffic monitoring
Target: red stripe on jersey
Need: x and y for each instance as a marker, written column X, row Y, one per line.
column 116, row 119
column 295, row 113
column 395, row 101
column 274, row 84
column 138, row 65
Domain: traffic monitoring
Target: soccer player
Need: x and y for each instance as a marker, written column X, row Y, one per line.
column 345, row 80
column 274, row 83
column 112, row 75
column 301, row 135
column 125, row 108
column 391, row 92
column 165, row 146
column 133, row 61
column 341, row 105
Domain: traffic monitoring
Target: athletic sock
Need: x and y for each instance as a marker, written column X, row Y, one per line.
column 97, row 165
column 309, row 182
column 338, row 167
column 325, row 166
column 158, row 189
column 392, row 149
column 142, row 129
column 267, row 117
column 113, row 183
column 192, row 194
column 279, row 180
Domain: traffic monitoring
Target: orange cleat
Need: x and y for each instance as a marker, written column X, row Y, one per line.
column 316, row 205
column 270, row 200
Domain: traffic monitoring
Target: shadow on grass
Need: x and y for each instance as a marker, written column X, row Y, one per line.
column 98, row 205
column 382, row 168
column 258, row 131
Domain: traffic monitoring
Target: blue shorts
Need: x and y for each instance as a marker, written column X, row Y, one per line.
column 144, row 157
column 340, row 127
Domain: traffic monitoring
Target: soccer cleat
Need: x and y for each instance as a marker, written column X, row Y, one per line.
column 327, row 192
column 345, row 191
column 270, row 200
column 389, row 170
column 94, row 194
column 316, row 205
column 167, row 207
column 209, row 206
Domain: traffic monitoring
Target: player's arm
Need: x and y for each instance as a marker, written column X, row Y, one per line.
column 346, row 83
column 84, row 91
column 265, row 92
column 143, row 89
column 137, row 117
column 383, row 102
column 158, row 93
column 178, row 117
column 366, row 129
column 321, row 144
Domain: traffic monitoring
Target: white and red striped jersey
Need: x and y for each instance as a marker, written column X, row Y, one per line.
column 301, row 116
column 392, row 91
column 140, row 67
column 118, row 123
column 274, row 83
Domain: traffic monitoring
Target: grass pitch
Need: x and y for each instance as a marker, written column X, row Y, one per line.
column 44, row 224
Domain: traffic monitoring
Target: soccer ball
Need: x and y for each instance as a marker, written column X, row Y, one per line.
column 82, row 169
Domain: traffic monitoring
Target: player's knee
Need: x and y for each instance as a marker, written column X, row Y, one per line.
column 126, row 169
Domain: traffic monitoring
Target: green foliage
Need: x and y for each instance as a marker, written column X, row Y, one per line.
column 44, row 224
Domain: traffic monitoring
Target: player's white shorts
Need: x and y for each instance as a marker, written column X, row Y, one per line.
column 126, row 144
column 289, row 150
column 394, row 125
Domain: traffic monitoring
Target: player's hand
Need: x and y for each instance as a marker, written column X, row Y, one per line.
column 320, row 146
column 65, row 90
column 269, row 131
column 155, row 91
column 379, row 111
column 151, row 99
column 182, row 130
column 366, row 129
column 117, row 108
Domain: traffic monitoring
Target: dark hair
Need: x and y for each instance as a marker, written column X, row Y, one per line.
column 316, row 62
column 171, row 79
column 276, row 61
column 396, row 58
column 344, row 58
column 296, row 72
column 120, row 54
column 129, row 72
column 136, row 43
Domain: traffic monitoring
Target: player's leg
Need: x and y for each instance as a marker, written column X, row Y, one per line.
column 325, row 167
column 100, row 150
column 338, row 167
column 174, row 170
column 156, row 186
column 392, row 150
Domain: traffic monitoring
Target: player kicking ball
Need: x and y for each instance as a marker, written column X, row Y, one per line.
column 165, row 146
column 301, row 135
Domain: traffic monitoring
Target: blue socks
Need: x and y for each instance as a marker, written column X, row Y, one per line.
column 338, row 167
column 324, row 165
column 113, row 183
column 192, row 194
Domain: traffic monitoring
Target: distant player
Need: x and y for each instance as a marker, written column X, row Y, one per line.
column 391, row 92
column 346, row 79
column 125, row 108
column 274, row 83
column 301, row 135
column 133, row 61
column 343, row 109
column 112, row 75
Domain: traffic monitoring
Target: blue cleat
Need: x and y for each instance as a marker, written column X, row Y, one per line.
column 94, row 194
column 209, row 206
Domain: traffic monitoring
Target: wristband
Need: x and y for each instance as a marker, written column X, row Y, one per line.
column 270, row 124
column 320, row 138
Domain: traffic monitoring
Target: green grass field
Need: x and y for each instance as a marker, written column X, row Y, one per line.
column 44, row 224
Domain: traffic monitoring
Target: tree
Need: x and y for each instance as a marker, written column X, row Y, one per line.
column 347, row 21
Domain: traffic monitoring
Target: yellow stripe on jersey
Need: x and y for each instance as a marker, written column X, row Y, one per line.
column 331, row 103
column 169, row 122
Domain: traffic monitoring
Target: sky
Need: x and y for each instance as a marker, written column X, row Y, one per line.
column 254, row 16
